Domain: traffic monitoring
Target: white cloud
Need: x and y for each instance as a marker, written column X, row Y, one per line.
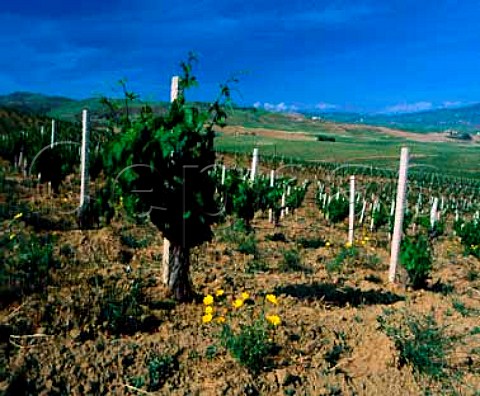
column 281, row 107
column 325, row 106
column 409, row 107
column 451, row 104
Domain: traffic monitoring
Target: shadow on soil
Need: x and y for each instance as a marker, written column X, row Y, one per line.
column 339, row 296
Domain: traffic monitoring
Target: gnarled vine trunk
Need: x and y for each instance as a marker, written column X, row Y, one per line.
column 178, row 277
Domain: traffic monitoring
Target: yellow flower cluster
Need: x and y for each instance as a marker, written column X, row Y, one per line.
column 271, row 298
column 208, row 299
column 274, row 319
column 238, row 302
column 207, row 318
column 364, row 240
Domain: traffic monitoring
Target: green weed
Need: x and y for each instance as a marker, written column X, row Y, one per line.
column 422, row 343
column 251, row 347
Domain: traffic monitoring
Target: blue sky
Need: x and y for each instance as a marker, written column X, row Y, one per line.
column 377, row 56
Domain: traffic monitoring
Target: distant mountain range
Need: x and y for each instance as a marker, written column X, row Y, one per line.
column 464, row 119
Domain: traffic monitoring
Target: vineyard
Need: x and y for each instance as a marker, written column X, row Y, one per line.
column 275, row 282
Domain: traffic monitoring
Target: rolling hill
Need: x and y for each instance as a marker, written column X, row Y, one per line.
column 463, row 119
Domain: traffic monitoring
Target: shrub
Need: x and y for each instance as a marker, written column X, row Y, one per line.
column 422, row 343
column 248, row 245
column 463, row 310
column 469, row 232
column 416, row 257
column 160, row 368
column 345, row 256
column 339, row 347
column 25, row 259
column 337, row 210
column 250, row 346
column 324, row 138
column 121, row 311
column 256, row 265
column 292, row 261
column 130, row 241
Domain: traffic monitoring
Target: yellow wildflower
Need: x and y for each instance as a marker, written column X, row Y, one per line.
column 221, row 319
column 348, row 245
column 208, row 299
column 219, row 293
column 274, row 319
column 363, row 242
column 327, row 244
column 238, row 303
column 18, row 215
column 271, row 298
column 245, row 295
column 209, row 309
column 207, row 318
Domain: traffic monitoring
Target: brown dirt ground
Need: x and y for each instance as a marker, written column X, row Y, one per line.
column 321, row 312
column 433, row 137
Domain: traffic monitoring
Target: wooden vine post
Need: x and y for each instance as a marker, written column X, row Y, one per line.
column 433, row 213
column 399, row 212
column 52, row 138
column 272, row 183
column 254, row 164
column 20, row 160
column 84, row 163
column 166, row 242
column 224, row 170
column 351, row 218
column 282, row 212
